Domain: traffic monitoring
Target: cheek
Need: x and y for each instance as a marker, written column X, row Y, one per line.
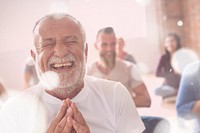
column 174, row 46
column 79, row 52
column 42, row 61
column 81, row 56
column 102, row 52
column 102, row 49
column 166, row 45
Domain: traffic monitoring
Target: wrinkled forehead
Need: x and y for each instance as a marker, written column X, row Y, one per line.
column 50, row 24
column 170, row 38
column 120, row 42
column 106, row 37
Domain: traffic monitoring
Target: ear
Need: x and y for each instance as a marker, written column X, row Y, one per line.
column 32, row 54
column 86, row 51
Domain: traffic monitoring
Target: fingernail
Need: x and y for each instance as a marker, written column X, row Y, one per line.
column 73, row 105
column 64, row 103
column 69, row 110
column 68, row 101
column 68, row 119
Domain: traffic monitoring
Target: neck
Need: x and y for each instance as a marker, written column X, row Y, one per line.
column 171, row 53
column 106, row 69
column 62, row 94
column 121, row 54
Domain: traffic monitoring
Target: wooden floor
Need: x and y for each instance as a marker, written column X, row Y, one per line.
column 163, row 108
column 158, row 106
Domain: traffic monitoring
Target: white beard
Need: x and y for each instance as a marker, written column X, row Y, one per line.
column 63, row 83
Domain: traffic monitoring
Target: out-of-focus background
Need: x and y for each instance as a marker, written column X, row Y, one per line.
column 143, row 24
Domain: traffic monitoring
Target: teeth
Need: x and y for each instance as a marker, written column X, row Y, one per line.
column 57, row 65
column 67, row 64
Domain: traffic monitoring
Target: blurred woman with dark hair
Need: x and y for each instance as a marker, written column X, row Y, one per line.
column 164, row 69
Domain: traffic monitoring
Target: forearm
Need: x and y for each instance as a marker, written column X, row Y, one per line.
column 196, row 108
column 140, row 101
column 141, row 96
column 159, row 73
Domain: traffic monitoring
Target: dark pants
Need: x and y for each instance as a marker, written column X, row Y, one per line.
column 155, row 124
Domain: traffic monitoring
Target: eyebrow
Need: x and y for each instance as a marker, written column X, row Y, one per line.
column 64, row 37
column 70, row 37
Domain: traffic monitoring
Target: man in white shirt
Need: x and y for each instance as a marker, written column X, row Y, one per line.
column 65, row 100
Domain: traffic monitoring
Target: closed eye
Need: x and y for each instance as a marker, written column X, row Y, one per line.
column 71, row 40
column 45, row 44
column 104, row 44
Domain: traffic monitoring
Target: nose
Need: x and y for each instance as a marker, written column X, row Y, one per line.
column 60, row 50
column 110, row 48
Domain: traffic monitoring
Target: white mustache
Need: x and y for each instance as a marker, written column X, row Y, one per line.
column 55, row 59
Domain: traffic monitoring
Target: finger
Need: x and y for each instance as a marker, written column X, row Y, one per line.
column 68, row 125
column 70, row 112
column 68, row 102
column 62, row 110
column 60, row 126
column 66, row 121
column 61, row 113
column 80, row 128
column 77, row 114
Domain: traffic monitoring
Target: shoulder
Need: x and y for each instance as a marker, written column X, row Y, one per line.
column 99, row 82
column 93, row 64
column 114, row 93
column 192, row 70
column 25, row 96
column 21, row 109
column 128, row 56
column 126, row 65
column 123, row 63
column 164, row 56
column 103, row 85
column 92, row 67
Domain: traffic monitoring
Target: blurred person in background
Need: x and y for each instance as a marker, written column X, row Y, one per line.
column 30, row 77
column 3, row 93
column 121, row 53
column 188, row 98
column 165, row 69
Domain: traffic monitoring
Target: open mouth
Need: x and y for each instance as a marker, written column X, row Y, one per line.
column 64, row 65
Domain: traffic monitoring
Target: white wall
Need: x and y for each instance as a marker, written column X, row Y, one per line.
column 135, row 22
column 144, row 47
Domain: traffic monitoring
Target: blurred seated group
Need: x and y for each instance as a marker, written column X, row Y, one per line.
column 117, row 69
column 184, row 85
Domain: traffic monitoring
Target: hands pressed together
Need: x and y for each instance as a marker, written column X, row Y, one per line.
column 68, row 120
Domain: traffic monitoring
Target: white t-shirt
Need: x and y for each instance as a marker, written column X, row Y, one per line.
column 106, row 106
